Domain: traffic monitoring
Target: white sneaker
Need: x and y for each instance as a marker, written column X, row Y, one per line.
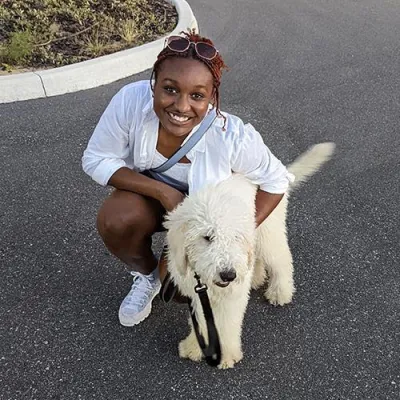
column 136, row 306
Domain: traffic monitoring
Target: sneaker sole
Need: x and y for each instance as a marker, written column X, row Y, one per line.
column 139, row 317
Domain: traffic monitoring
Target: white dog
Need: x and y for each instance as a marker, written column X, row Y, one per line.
column 213, row 234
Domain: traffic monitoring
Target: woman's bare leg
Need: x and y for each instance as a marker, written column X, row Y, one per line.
column 126, row 222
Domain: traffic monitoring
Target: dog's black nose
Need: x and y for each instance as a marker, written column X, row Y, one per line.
column 228, row 275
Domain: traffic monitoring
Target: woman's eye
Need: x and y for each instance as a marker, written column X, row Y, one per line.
column 198, row 96
column 170, row 89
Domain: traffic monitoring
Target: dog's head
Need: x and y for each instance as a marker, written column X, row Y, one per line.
column 213, row 235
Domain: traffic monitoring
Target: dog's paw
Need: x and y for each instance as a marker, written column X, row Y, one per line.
column 189, row 348
column 279, row 296
column 259, row 276
column 229, row 360
column 257, row 281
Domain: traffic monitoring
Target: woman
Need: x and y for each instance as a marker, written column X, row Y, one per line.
column 144, row 124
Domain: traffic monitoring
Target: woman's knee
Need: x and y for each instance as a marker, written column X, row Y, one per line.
column 114, row 224
column 122, row 216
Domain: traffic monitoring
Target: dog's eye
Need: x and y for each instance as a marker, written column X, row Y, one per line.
column 208, row 238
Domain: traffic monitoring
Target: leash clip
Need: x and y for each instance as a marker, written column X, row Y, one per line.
column 200, row 287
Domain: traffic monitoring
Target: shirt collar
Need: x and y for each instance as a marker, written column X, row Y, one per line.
column 148, row 108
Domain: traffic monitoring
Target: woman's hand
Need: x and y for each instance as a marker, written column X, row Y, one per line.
column 170, row 197
column 132, row 181
column 126, row 179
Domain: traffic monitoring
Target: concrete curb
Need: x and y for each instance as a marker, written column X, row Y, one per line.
column 91, row 73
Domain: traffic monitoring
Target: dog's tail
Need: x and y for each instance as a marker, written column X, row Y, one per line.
column 308, row 163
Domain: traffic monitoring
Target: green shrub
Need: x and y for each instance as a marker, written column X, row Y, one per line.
column 18, row 48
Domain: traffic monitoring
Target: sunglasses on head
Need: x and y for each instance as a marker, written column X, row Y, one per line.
column 180, row 44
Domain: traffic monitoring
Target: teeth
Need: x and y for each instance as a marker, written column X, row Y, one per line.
column 178, row 118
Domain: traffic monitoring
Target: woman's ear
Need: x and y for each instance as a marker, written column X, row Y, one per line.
column 177, row 260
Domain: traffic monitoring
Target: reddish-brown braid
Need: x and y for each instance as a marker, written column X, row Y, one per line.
column 216, row 65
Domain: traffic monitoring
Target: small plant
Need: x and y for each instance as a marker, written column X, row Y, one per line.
column 18, row 48
column 95, row 45
column 128, row 31
column 6, row 67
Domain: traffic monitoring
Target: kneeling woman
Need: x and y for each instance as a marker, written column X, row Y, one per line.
column 145, row 123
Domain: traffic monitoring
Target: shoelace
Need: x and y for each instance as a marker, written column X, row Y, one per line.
column 141, row 289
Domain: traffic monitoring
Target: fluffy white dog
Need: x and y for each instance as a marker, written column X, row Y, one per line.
column 212, row 233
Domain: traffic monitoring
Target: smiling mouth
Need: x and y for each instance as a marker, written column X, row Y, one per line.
column 222, row 284
column 178, row 119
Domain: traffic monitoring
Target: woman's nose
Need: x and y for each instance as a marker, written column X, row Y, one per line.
column 182, row 104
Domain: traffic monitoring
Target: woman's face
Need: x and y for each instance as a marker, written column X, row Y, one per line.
column 182, row 92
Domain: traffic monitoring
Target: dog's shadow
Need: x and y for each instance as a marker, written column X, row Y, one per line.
column 171, row 324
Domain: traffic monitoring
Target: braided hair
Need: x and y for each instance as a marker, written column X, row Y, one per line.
column 216, row 65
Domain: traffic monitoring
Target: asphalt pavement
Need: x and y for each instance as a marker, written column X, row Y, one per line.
column 302, row 72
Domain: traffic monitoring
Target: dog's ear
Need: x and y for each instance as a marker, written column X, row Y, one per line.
column 176, row 244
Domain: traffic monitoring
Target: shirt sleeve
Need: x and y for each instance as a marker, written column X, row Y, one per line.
column 108, row 146
column 254, row 160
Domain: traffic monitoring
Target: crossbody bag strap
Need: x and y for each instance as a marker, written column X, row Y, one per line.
column 190, row 143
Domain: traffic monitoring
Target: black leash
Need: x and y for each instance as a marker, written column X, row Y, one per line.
column 212, row 352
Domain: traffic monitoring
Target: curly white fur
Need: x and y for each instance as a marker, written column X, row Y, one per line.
column 214, row 231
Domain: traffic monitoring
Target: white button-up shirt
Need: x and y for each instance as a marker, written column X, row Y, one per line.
column 126, row 136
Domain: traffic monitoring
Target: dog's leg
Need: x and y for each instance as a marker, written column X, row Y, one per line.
column 281, row 286
column 279, row 263
column 259, row 274
column 189, row 347
column 229, row 312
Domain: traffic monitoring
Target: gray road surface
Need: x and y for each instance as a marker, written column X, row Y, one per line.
column 302, row 71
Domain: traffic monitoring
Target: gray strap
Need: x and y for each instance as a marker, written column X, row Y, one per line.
column 191, row 142
column 178, row 185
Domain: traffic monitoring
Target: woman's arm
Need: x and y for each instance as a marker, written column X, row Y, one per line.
column 126, row 179
column 254, row 160
column 265, row 204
